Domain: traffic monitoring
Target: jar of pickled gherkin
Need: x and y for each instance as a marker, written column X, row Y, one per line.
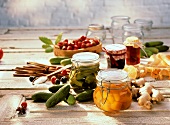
column 112, row 92
column 85, row 66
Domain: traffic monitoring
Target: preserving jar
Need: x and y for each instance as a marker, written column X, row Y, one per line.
column 115, row 55
column 133, row 46
column 85, row 66
column 145, row 25
column 132, row 30
column 116, row 27
column 112, row 92
column 96, row 30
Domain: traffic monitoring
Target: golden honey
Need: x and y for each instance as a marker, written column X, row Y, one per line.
column 112, row 92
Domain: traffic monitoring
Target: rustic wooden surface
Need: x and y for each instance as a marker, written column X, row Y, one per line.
column 21, row 45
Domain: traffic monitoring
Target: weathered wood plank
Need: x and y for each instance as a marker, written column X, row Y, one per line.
column 8, row 105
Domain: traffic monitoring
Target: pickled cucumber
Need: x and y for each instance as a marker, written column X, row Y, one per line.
column 162, row 48
column 65, row 62
column 145, row 55
column 56, row 60
column 153, row 43
column 41, row 96
column 86, row 95
column 154, row 50
column 71, row 100
column 59, row 96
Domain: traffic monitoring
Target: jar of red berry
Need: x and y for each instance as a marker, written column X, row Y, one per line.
column 115, row 55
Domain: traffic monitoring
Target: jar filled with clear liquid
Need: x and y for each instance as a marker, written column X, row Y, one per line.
column 116, row 27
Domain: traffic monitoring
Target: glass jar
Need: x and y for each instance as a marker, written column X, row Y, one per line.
column 115, row 55
column 116, row 27
column 85, row 66
column 132, row 30
column 133, row 39
column 96, row 30
column 112, row 92
column 145, row 25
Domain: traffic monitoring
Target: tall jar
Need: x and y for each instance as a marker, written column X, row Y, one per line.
column 85, row 66
column 133, row 39
column 112, row 92
column 96, row 30
column 116, row 27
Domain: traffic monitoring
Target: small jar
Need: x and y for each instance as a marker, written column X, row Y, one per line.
column 145, row 25
column 116, row 27
column 115, row 55
column 85, row 66
column 112, row 92
column 96, row 30
column 132, row 30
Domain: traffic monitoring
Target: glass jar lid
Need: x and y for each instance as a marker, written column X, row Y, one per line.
column 85, row 57
column 120, row 17
column 114, row 75
column 143, row 22
column 96, row 27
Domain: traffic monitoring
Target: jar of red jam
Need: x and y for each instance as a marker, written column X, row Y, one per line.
column 115, row 55
column 112, row 92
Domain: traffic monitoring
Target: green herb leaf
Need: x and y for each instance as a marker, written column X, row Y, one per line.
column 58, row 39
column 46, row 40
column 49, row 49
column 45, row 46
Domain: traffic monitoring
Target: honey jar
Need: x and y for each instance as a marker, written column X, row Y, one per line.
column 112, row 92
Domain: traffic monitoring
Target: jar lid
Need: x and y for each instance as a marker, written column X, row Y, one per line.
column 115, row 48
column 85, row 57
column 96, row 27
column 120, row 17
column 143, row 22
column 111, row 75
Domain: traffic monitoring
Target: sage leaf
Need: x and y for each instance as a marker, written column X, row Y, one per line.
column 46, row 40
column 49, row 49
column 59, row 37
column 44, row 46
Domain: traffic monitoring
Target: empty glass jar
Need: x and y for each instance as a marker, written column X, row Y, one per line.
column 145, row 25
column 116, row 27
column 96, row 30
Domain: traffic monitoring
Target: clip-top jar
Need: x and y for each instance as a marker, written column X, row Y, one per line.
column 112, row 92
column 85, row 66
column 96, row 30
column 115, row 55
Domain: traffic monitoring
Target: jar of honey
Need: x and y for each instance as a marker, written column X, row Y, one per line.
column 112, row 92
column 85, row 66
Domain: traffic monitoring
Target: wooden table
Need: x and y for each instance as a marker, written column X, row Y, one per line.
column 21, row 45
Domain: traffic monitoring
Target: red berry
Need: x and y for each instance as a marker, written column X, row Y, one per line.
column 89, row 45
column 64, row 72
column 83, row 45
column 1, row 53
column 53, row 79
column 69, row 48
column 76, row 47
column 24, row 105
column 82, row 38
column 64, row 48
column 79, row 44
